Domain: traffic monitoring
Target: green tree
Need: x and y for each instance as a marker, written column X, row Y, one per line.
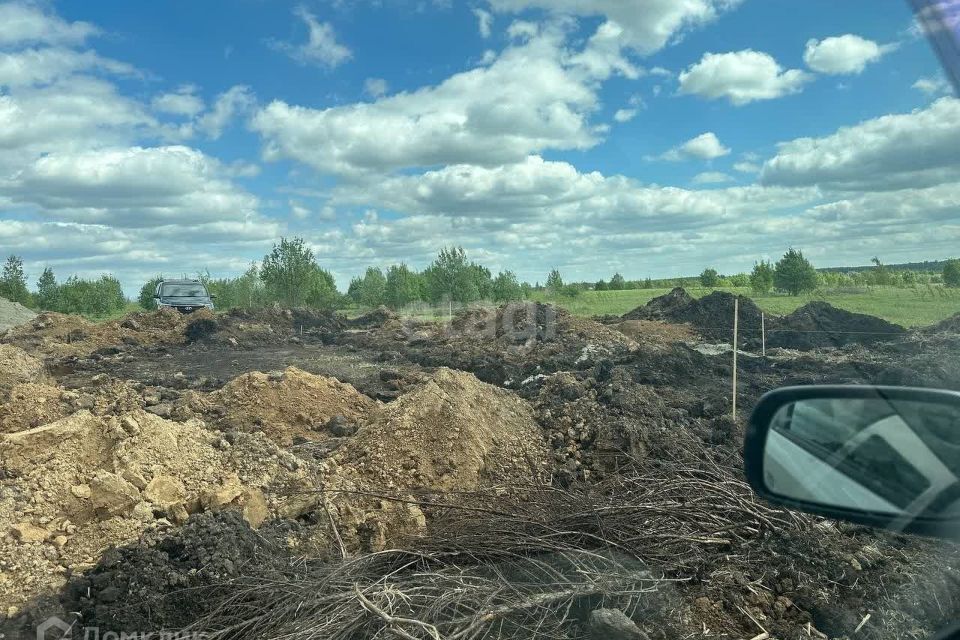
column 739, row 280
column 794, row 274
column 288, row 272
column 709, row 278
column 353, row 290
column 13, row 282
column 321, row 289
column 648, row 283
column 451, row 277
column 47, row 290
column 617, row 283
column 761, row 278
column 881, row 274
column 601, row 285
column 554, row 281
column 951, row 273
column 373, row 287
column 147, row 291
column 506, row 287
column 402, row 286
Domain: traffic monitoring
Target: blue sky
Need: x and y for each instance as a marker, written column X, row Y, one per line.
column 649, row 137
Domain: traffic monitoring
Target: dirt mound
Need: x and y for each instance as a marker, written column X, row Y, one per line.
column 947, row 325
column 374, row 318
column 653, row 331
column 273, row 323
column 72, row 488
column 500, row 345
column 35, row 404
column 60, row 335
column 17, row 366
column 290, row 405
column 662, row 307
column 13, row 314
column 819, row 324
column 454, row 433
column 711, row 315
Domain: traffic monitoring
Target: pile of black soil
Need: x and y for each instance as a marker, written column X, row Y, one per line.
column 315, row 323
column 711, row 315
column 819, row 324
column 166, row 581
column 662, row 307
column 201, row 328
column 948, row 325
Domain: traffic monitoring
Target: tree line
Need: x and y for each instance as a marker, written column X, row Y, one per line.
column 290, row 276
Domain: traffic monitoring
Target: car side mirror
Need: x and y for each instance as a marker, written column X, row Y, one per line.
column 156, row 297
column 880, row 456
column 213, row 297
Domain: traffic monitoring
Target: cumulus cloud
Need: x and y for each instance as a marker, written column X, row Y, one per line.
column 131, row 187
column 932, row 85
column 624, row 115
column 842, row 54
column 180, row 103
column 712, row 177
column 645, row 30
column 39, row 66
column 26, row 22
column 745, row 166
column 741, row 77
column 705, row 146
column 534, row 96
column 910, row 150
column 232, row 103
column 320, row 49
column 484, row 21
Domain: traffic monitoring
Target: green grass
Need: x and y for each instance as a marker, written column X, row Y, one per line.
column 907, row 307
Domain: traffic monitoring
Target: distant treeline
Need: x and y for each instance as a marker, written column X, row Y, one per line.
column 290, row 276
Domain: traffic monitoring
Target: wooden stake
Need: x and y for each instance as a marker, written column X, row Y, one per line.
column 736, row 328
column 763, row 334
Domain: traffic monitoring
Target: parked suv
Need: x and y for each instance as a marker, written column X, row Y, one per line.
column 185, row 296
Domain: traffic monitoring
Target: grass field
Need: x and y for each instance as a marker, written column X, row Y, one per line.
column 907, row 307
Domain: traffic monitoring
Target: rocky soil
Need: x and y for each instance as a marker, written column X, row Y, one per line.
column 157, row 471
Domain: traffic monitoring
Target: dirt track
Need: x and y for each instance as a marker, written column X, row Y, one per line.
column 633, row 433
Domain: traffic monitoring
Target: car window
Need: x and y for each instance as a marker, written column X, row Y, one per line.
column 182, row 291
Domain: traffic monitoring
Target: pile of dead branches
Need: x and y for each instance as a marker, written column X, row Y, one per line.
column 534, row 569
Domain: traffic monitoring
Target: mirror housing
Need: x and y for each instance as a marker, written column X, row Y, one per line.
column 880, row 456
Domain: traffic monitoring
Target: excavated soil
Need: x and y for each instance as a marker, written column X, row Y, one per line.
column 130, row 478
column 17, row 366
column 815, row 325
column 290, row 406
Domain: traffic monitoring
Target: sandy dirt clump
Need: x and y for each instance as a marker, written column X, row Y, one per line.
column 75, row 487
column 17, row 366
column 291, row 404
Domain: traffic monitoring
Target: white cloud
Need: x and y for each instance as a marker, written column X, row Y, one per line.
column 321, row 47
column 44, row 65
column 376, row 87
column 25, row 22
column 299, row 211
column 131, row 187
column 747, row 167
column 842, row 54
column 624, row 115
column 534, row 96
column 180, row 103
column 933, row 85
column 712, row 177
column 741, row 77
column 705, row 146
column 645, row 29
column 234, row 102
column 484, row 21
column 910, row 150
